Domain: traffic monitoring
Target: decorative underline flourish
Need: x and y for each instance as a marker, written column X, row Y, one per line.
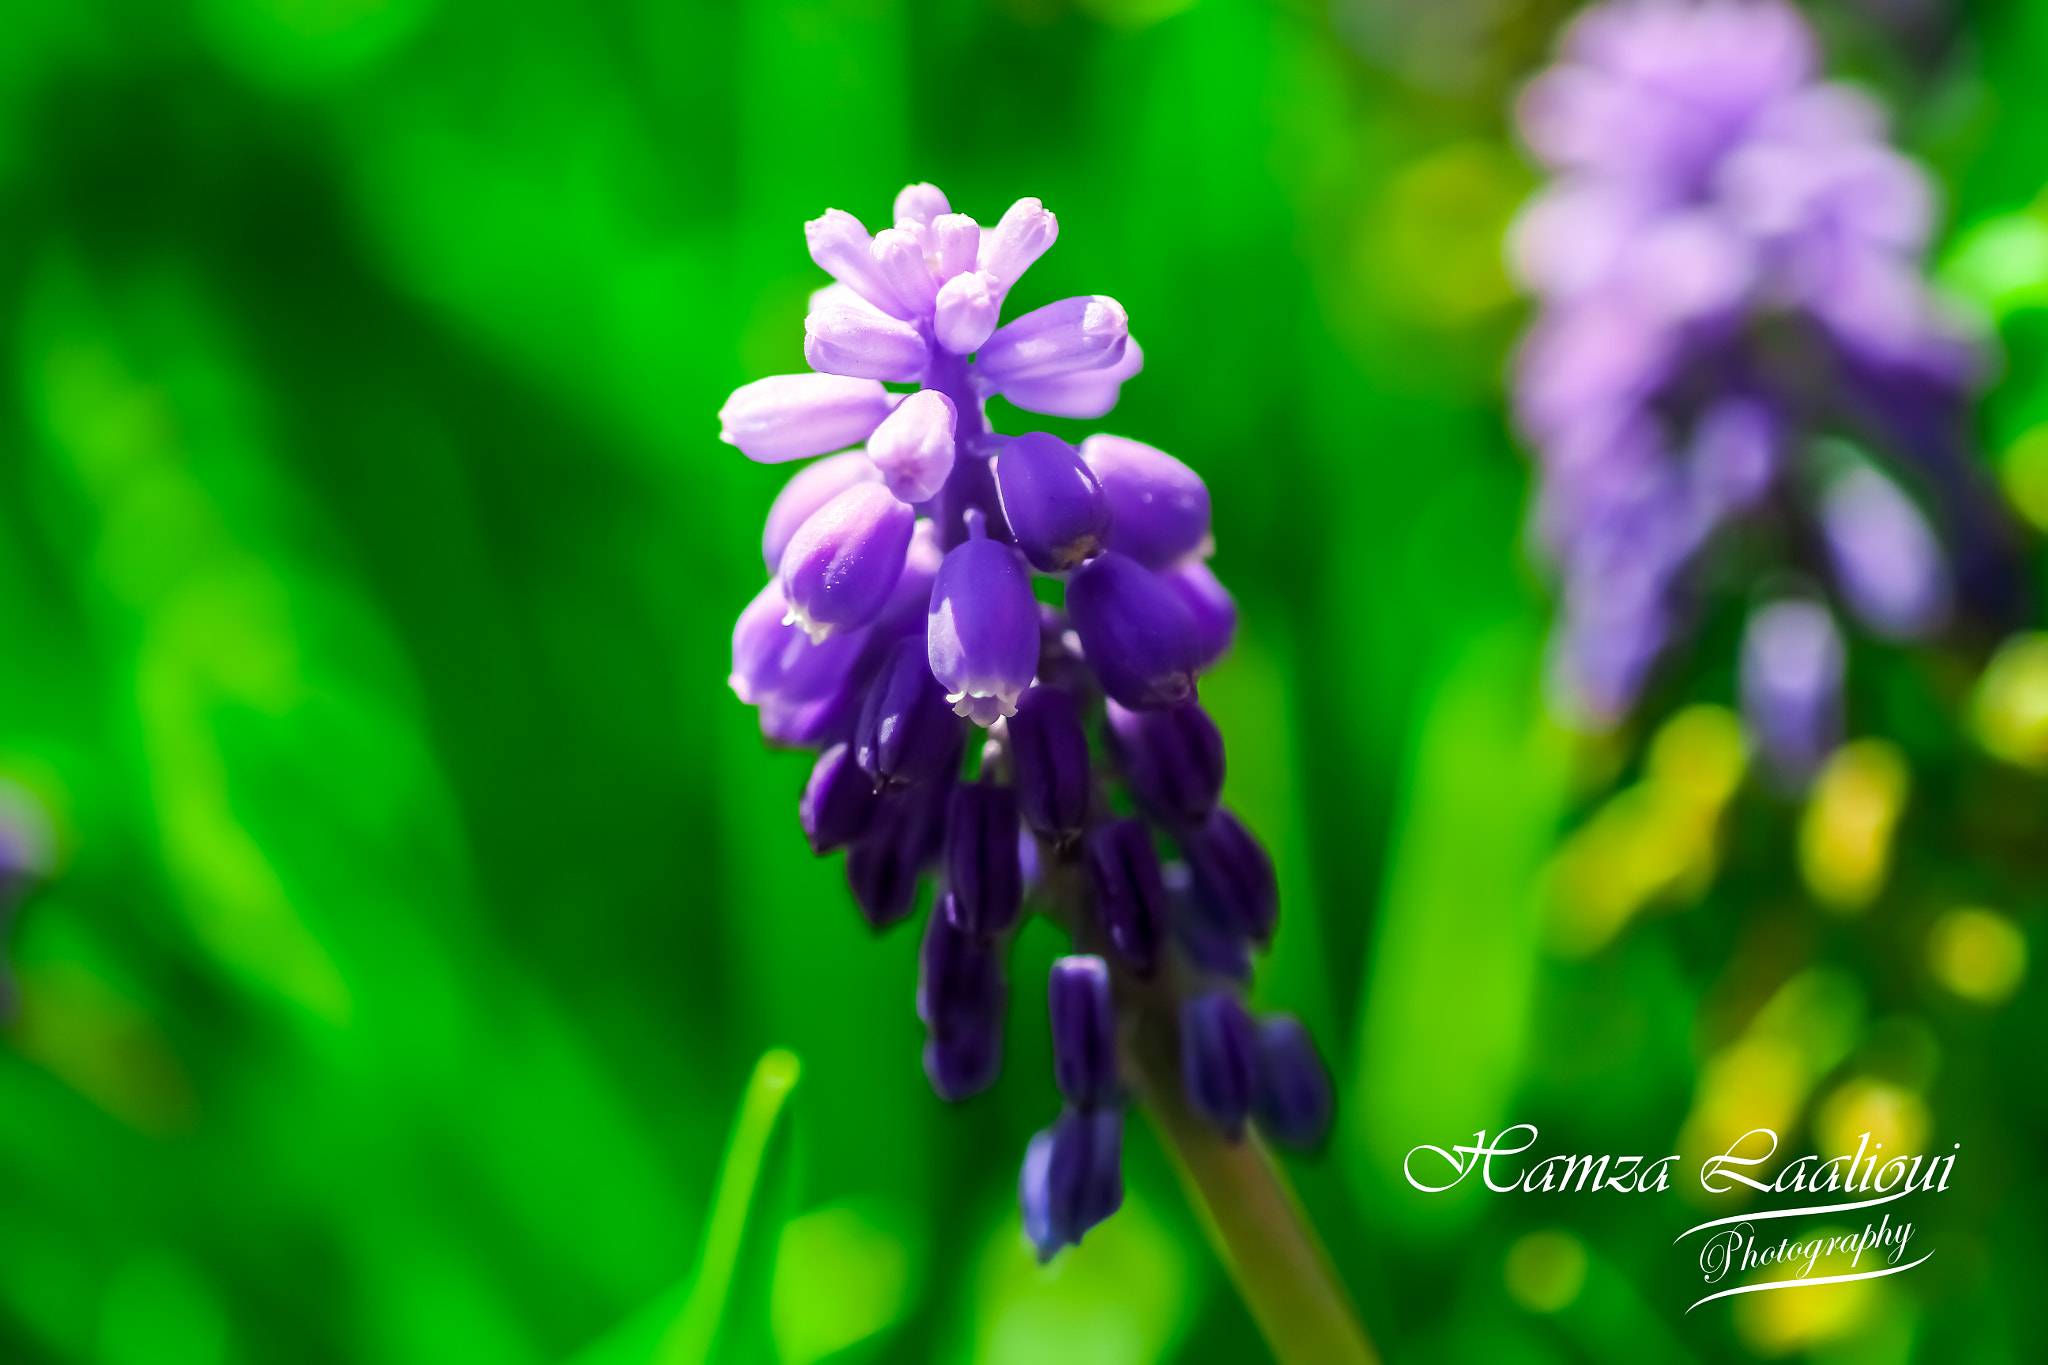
column 1825, row 1279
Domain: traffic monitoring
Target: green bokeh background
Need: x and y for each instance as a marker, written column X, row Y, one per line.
column 367, row 562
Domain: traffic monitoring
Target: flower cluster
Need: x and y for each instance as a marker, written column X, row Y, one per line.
column 1734, row 331
column 902, row 620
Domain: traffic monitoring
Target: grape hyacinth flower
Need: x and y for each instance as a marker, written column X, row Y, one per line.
column 1727, row 263
column 901, row 637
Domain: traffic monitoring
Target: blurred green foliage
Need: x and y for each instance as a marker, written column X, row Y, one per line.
column 426, row 901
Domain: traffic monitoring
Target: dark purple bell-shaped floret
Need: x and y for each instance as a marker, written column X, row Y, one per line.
column 982, row 864
column 1083, row 1031
column 960, row 997
column 1173, row 759
column 903, row 838
column 1292, row 1095
column 1219, row 1059
column 907, row 734
column 771, row 658
column 1135, row 631
column 1210, row 942
column 982, row 630
column 1159, row 508
column 1073, row 1178
column 839, row 568
column 1130, row 897
column 1209, row 606
column 838, row 801
column 1049, row 751
column 1233, row 876
column 1055, row 507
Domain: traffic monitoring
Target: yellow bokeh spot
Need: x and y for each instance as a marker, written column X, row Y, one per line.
column 2024, row 472
column 2011, row 705
column 1434, row 247
column 1979, row 955
column 1546, row 1270
column 1894, row 1117
column 1845, row 837
column 1779, row 1322
column 1655, row 841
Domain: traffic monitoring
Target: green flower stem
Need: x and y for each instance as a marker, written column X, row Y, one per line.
column 1254, row 1221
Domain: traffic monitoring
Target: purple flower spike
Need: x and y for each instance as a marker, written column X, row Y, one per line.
column 1055, row 508
column 902, row 839
column 1209, row 603
column 771, row 658
column 920, row 203
column 1083, row 1031
column 796, row 416
column 1082, row 333
column 841, row 565
column 956, row 241
column 983, row 628
column 1233, row 876
column 1159, row 508
column 1073, row 1178
column 1219, row 1059
column 1130, row 894
column 842, row 248
column 865, row 345
column 1049, row 751
column 913, row 448
column 1137, row 633
column 838, row 801
column 1886, row 561
column 1792, row 684
column 965, row 315
column 1292, row 1093
column 807, row 490
column 982, row 865
column 1086, row 394
column 1172, row 758
column 907, row 735
column 960, row 998
column 1019, row 238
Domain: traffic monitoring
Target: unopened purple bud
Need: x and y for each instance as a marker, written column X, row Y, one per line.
column 902, row 839
column 920, row 203
column 807, row 490
column 773, row 658
column 1137, row 634
column 796, row 416
column 1082, row 333
column 907, row 734
column 1073, row 1178
column 1233, row 875
column 1056, row 509
column 1086, row 394
column 961, row 997
column 956, row 239
column 840, row 567
column 1130, row 896
column 1886, row 561
column 986, row 877
column 1292, row 1095
column 965, row 315
column 1049, row 751
column 842, row 248
column 1734, row 455
column 1209, row 605
column 1159, row 508
column 1172, row 758
column 849, row 341
column 899, row 259
column 1792, row 684
column 1022, row 235
column 1083, row 1031
column 983, row 628
column 838, row 801
column 913, row 448
column 1219, row 1059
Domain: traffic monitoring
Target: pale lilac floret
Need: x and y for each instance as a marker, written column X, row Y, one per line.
column 796, row 416
column 1885, row 556
column 1792, row 664
column 913, row 448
